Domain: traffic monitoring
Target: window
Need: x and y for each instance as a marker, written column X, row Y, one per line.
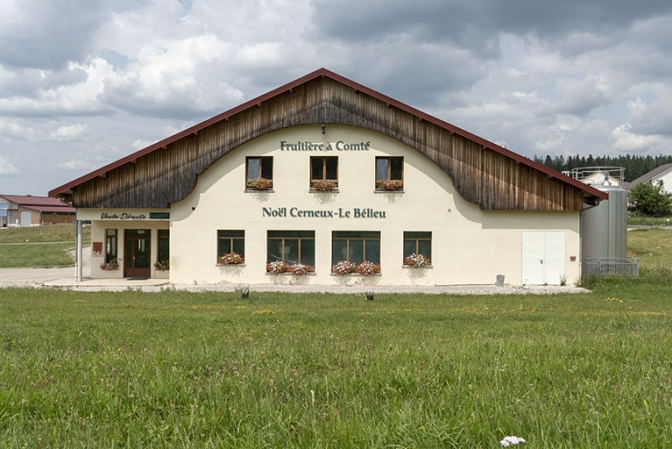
column 291, row 247
column 324, row 173
column 230, row 242
column 163, row 254
column 355, row 247
column 417, row 243
column 259, row 173
column 389, row 173
column 111, row 239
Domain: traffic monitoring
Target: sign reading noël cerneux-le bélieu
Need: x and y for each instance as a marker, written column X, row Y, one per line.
column 295, row 212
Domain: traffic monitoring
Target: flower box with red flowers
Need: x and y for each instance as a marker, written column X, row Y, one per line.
column 390, row 186
column 259, row 184
column 230, row 259
column 417, row 261
column 324, row 186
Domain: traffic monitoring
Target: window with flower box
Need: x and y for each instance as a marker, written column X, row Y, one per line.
column 111, row 241
column 291, row 247
column 417, row 244
column 230, row 243
column 389, row 173
column 323, row 173
column 355, row 247
column 259, row 172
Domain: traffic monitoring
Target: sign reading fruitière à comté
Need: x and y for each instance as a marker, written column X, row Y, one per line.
column 324, row 146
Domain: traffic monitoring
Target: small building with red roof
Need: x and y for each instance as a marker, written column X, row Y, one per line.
column 26, row 210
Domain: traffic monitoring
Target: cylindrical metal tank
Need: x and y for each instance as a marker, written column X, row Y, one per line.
column 604, row 228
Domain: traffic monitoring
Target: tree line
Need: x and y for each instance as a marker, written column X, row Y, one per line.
column 635, row 166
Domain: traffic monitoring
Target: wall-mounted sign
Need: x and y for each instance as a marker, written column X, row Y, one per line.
column 134, row 216
column 295, row 212
column 97, row 248
column 324, row 146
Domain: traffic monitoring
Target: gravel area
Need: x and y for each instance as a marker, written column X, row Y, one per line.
column 64, row 278
column 156, row 286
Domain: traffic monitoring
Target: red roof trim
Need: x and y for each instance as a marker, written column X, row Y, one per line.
column 24, row 200
column 354, row 85
column 70, row 210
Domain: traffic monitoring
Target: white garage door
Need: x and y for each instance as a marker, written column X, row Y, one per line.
column 26, row 218
column 543, row 257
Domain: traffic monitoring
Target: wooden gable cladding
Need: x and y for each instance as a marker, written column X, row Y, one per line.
column 482, row 176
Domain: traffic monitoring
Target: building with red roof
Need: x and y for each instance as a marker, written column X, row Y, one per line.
column 324, row 181
column 26, row 210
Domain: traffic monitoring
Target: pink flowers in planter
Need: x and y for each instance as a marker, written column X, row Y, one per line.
column 297, row 269
column 324, row 186
column 389, row 185
column 259, row 184
column 230, row 259
column 368, row 268
column 113, row 265
column 344, row 267
column 162, row 265
column 365, row 268
column 417, row 261
column 277, row 267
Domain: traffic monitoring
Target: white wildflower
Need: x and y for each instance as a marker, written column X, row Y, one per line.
column 507, row 441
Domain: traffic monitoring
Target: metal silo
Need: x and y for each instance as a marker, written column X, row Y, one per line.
column 604, row 227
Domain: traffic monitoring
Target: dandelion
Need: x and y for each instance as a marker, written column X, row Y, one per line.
column 508, row 441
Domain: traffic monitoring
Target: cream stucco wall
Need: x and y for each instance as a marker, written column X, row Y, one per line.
column 98, row 228
column 469, row 246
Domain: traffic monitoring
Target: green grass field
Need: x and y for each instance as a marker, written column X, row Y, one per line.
column 653, row 247
column 52, row 233
column 35, row 255
column 280, row 370
column 317, row 370
column 650, row 221
column 40, row 246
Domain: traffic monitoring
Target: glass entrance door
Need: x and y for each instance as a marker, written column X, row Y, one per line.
column 138, row 250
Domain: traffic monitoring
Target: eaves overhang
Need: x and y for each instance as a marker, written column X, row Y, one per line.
column 589, row 192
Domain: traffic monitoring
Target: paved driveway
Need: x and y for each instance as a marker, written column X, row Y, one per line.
column 38, row 276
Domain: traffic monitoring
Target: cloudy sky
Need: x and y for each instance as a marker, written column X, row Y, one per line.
column 83, row 83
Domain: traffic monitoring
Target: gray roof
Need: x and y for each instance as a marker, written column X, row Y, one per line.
column 648, row 176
